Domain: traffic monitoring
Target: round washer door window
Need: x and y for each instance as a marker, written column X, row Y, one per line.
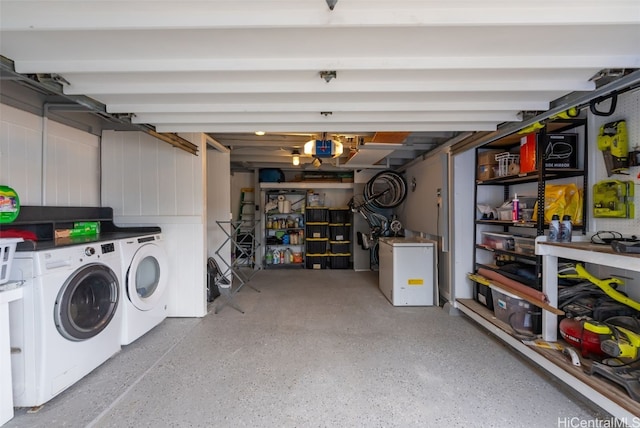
column 146, row 278
column 87, row 302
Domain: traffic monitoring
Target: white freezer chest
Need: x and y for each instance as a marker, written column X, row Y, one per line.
column 406, row 271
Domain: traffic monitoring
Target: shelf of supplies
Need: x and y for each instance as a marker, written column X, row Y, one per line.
column 306, row 185
column 525, row 224
column 530, row 177
column 511, row 253
column 602, row 392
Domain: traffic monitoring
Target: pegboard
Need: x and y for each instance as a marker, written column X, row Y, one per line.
column 628, row 109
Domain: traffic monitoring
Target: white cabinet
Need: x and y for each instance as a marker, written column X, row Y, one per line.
column 406, row 274
column 6, row 388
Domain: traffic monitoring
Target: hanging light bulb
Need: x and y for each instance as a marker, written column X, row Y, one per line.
column 296, row 157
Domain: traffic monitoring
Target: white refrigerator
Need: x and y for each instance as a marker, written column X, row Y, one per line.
column 407, row 271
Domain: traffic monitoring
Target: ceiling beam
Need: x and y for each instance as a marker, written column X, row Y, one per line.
column 64, row 15
column 442, row 106
column 335, row 128
column 317, row 86
column 391, row 62
column 330, row 117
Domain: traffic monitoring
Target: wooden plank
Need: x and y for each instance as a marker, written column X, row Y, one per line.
column 503, row 287
column 390, row 137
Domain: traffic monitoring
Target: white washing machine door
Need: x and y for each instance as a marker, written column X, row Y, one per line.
column 87, row 302
column 147, row 277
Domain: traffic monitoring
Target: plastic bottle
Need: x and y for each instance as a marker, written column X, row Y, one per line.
column 515, row 208
column 288, row 256
column 565, row 229
column 276, row 257
column 554, row 229
column 269, row 257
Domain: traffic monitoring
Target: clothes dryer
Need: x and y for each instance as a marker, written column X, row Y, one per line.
column 69, row 320
column 144, row 286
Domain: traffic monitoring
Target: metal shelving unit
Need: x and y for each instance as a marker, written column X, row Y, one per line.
column 540, row 177
column 281, row 237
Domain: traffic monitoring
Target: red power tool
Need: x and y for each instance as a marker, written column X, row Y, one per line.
column 585, row 335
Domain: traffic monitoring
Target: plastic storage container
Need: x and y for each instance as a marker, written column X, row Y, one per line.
column 339, row 247
column 7, row 251
column 317, row 245
column 316, row 261
column 514, row 311
column 316, row 214
column 498, row 241
column 482, row 294
column 316, row 230
column 339, row 232
column 525, row 244
column 339, row 215
column 339, row 261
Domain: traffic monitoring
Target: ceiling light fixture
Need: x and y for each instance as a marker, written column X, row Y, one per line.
column 296, row 157
column 331, row 4
column 323, row 148
column 259, row 132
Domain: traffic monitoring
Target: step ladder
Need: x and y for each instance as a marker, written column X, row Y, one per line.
column 245, row 232
column 247, row 204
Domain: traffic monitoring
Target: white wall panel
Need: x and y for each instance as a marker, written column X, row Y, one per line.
column 149, row 167
column 71, row 166
column 167, row 172
column 131, row 191
column 420, row 212
column 218, row 205
column 148, row 182
column 21, row 153
column 112, row 188
column 462, row 248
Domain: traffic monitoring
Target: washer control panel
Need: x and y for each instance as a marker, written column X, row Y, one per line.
column 108, row 248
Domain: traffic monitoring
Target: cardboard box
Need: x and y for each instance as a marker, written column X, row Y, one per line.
column 486, row 172
column 488, row 157
column 561, row 151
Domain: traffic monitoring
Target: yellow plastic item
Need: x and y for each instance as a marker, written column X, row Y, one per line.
column 596, row 328
column 561, row 199
column 605, row 285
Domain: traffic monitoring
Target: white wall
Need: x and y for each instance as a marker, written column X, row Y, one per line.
column 462, row 240
column 628, row 108
column 148, row 182
column 219, row 208
column 67, row 175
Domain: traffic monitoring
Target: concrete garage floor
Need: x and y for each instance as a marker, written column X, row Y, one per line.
column 314, row 349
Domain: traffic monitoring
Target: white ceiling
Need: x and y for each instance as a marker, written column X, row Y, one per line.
column 432, row 68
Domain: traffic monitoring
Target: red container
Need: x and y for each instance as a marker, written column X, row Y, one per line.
column 528, row 145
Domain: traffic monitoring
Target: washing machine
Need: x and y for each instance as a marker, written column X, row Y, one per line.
column 69, row 320
column 144, row 286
